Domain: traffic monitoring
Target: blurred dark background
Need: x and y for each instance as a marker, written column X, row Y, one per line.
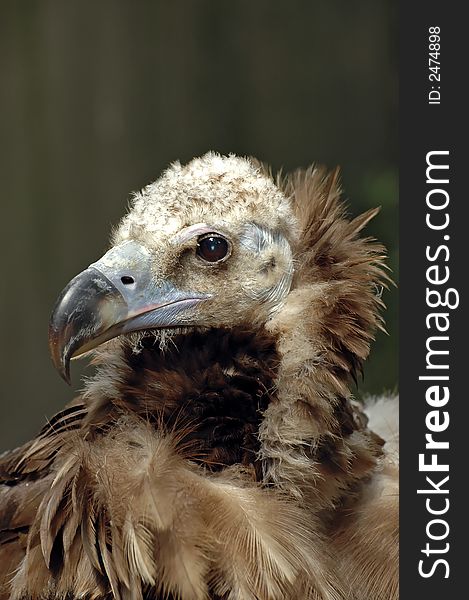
column 96, row 98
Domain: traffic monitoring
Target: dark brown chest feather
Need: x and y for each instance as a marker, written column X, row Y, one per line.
column 210, row 388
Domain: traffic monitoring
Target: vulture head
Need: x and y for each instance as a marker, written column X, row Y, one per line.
column 217, row 452
column 206, row 245
column 217, row 243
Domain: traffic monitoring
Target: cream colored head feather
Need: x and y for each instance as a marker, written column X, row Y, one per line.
column 222, row 190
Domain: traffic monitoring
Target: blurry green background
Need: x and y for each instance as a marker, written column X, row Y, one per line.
column 96, row 98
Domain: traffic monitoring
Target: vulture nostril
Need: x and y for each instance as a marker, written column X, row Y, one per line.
column 127, row 280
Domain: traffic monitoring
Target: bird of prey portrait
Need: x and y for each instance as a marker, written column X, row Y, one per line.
column 217, row 451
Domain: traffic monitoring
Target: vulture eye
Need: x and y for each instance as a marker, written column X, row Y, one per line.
column 213, row 248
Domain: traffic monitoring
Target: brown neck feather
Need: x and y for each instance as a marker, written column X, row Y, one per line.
column 314, row 439
column 209, row 388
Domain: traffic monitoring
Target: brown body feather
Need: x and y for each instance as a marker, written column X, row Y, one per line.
column 231, row 464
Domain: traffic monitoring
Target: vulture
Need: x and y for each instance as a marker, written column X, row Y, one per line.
column 217, row 452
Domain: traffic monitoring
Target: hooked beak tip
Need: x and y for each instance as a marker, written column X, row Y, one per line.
column 77, row 317
column 65, row 374
column 64, row 371
column 59, row 358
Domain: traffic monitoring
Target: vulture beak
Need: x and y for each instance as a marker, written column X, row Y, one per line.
column 117, row 294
